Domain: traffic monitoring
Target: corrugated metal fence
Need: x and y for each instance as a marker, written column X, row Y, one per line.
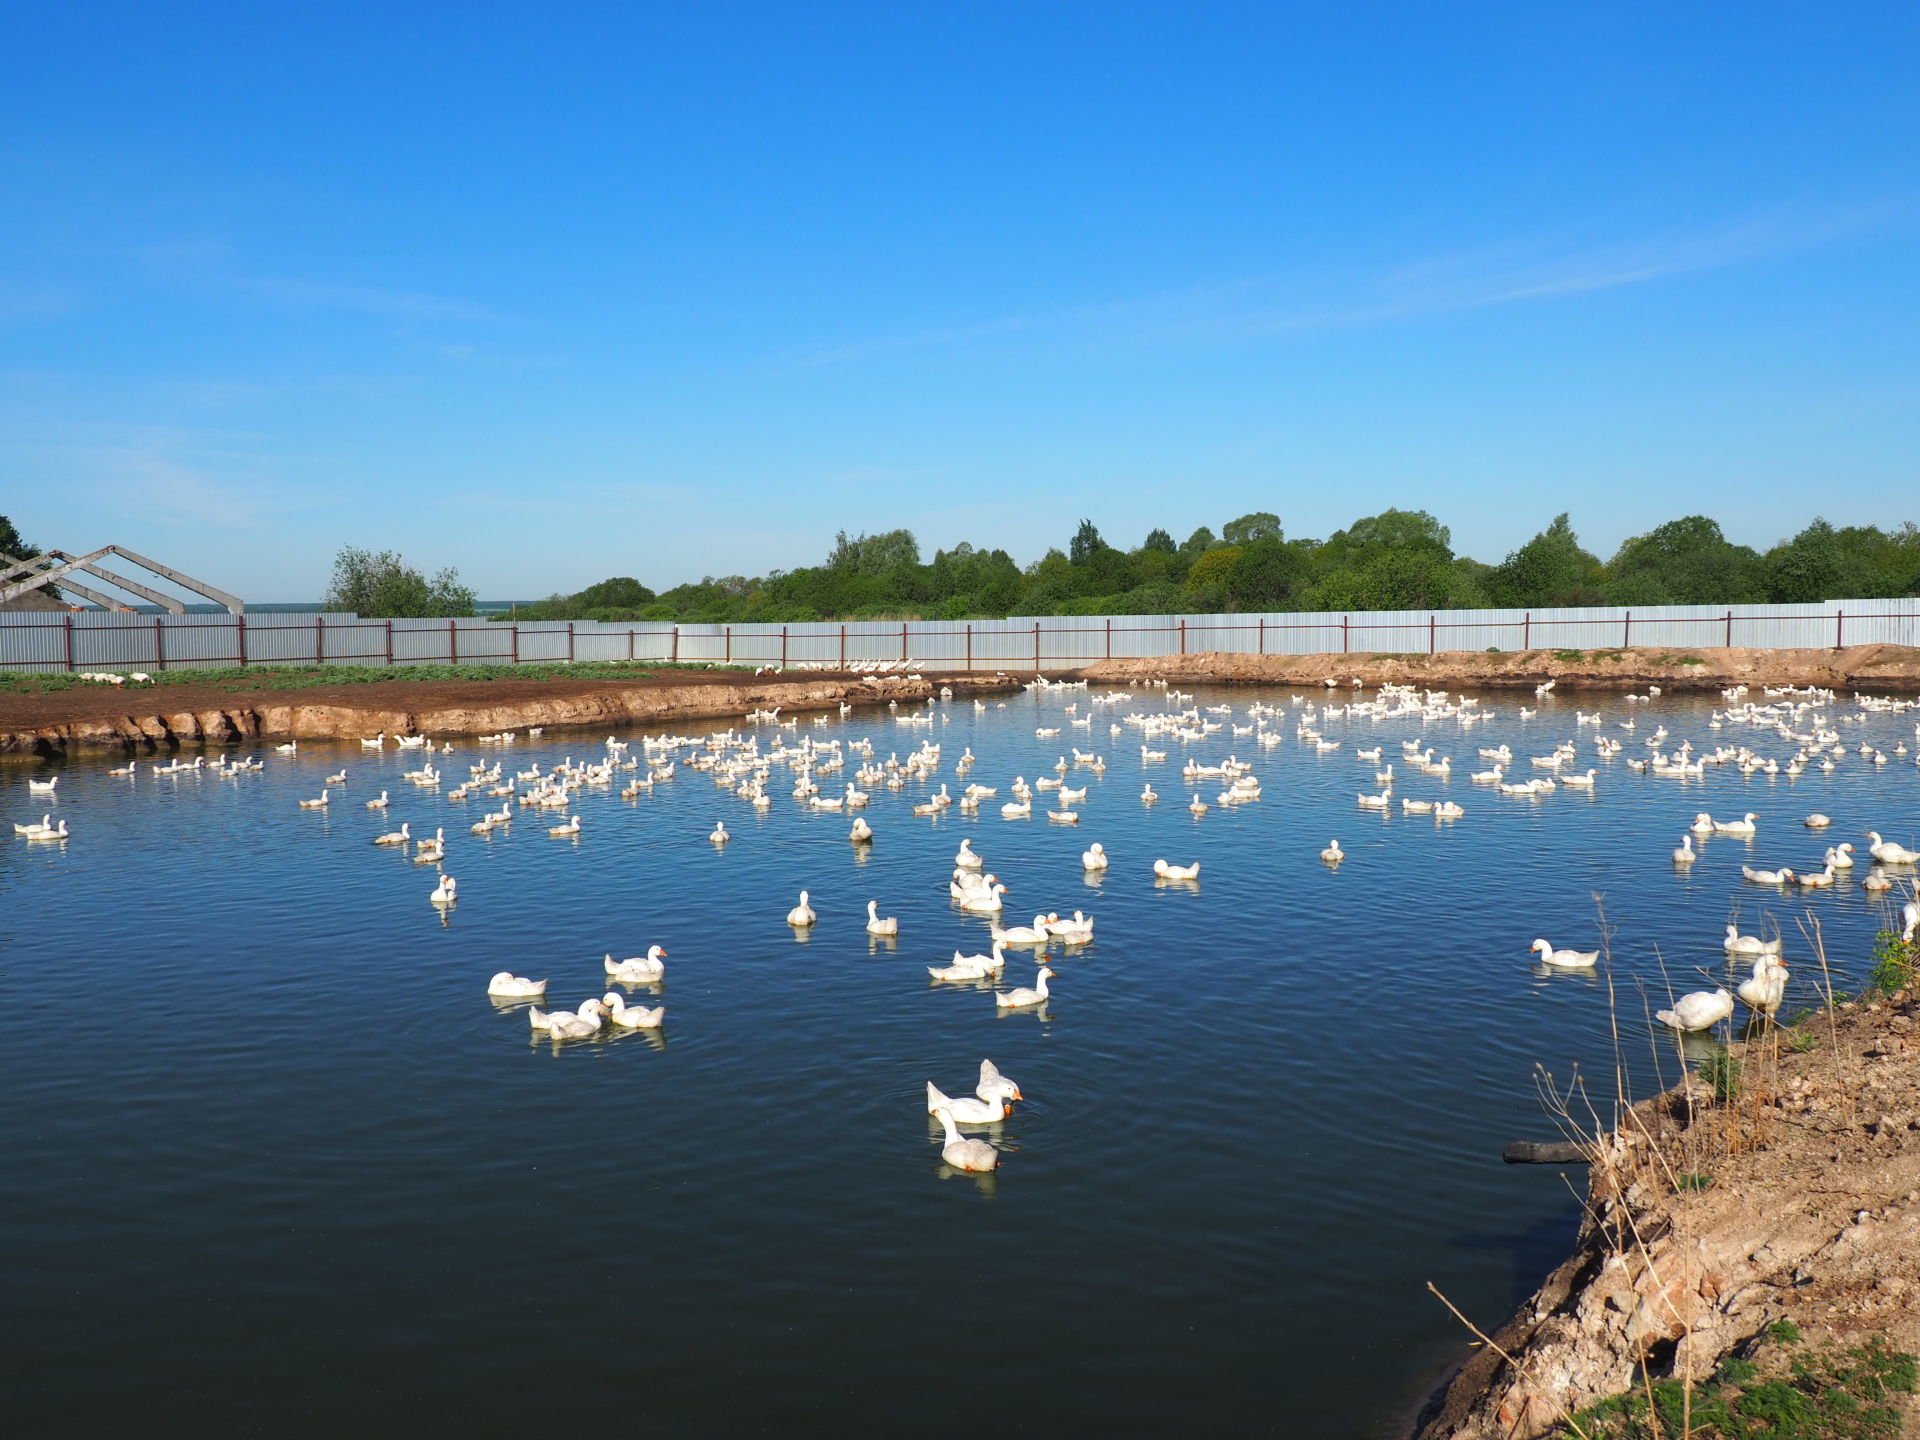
column 93, row 640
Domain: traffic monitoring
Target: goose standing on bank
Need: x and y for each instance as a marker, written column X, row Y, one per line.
column 1763, row 993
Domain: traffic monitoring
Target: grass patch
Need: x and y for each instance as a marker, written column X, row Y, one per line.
column 1893, row 963
column 1692, row 1180
column 303, row 677
column 1570, row 655
column 1827, row 1392
column 1680, row 660
column 1609, row 654
column 1722, row 1074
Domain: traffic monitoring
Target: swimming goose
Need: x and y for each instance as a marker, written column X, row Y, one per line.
column 126, row 769
column 443, row 893
column 572, row 827
column 1020, row 998
column 976, row 1155
column 1840, row 857
column 379, row 803
column 971, row 967
column 1782, row 876
column 1738, row 944
column 1016, row 809
column 1814, row 880
column 43, row 787
column 1767, row 987
column 1176, row 872
column 290, row 748
column 993, row 1083
column 339, row 779
column 1686, row 854
column 1888, row 853
column 1909, row 920
column 395, row 837
column 1199, row 806
column 719, row 835
column 1034, row 934
column 1333, row 854
column 966, row 859
column 1817, row 821
column 802, row 914
column 45, row 824
column 1698, row 1010
column 985, row 900
column 1147, row 795
column 877, row 926
column 1744, row 826
column 1702, row 824
column 967, row 1109
column 1565, row 959
column 1448, row 810
column 861, row 832
column 509, row 986
column 632, row 1017
column 569, row 1024
column 638, row 969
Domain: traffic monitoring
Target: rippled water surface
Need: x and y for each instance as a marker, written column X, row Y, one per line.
column 279, row 1166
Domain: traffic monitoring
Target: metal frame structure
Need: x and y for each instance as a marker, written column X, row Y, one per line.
column 58, row 564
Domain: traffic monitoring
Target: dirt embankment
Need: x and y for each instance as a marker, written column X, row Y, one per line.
column 1712, row 1216
column 1857, row 667
column 166, row 717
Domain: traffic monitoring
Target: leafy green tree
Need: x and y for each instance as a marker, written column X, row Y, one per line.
column 1267, row 575
column 621, row 591
column 380, row 583
column 1160, row 541
column 873, row 554
column 1086, row 544
column 1685, row 562
column 1550, row 569
column 13, row 546
column 1207, row 581
column 1260, row 525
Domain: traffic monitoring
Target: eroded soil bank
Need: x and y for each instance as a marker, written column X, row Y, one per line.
column 1711, row 1216
column 1857, row 667
column 168, row 717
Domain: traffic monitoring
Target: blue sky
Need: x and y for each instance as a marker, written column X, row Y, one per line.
column 554, row 292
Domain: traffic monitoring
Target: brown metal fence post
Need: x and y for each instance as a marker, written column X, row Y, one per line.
column 159, row 645
column 569, row 642
column 1343, row 634
column 783, row 647
column 319, row 640
column 1263, row 636
column 240, row 636
column 729, row 650
column 453, row 644
column 389, row 642
column 843, row 647
column 903, row 639
column 969, row 647
column 629, row 642
column 1729, row 629
column 515, row 627
column 675, row 657
column 1526, row 631
column 1433, row 634
column 1839, row 629
column 1109, row 637
column 1183, row 634
column 1036, row 647
column 69, row 641
column 1626, row 631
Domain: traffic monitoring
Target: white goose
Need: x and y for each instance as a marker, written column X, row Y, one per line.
column 1686, row 854
column 1840, row 857
column 1034, row 934
column 1176, row 872
column 509, row 986
column 1697, row 1010
column 966, row 859
column 983, row 901
column 1094, row 857
column 638, row 969
column 967, row 1109
column 572, row 827
column 963, row 1154
column 1909, row 920
column 632, row 1017
column 339, row 778
column 444, row 892
column 43, row 787
column 569, row 1024
column 971, row 967
column 802, row 914
column 878, row 926
column 719, row 835
column 1077, row 931
column 379, row 802
column 993, row 1083
column 1565, row 959
column 1782, row 876
column 1888, row 853
column 1742, row 826
column 44, row 824
column 1768, row 986
column 395, row 837
column 1333, row 854
column 1738, row 944
column 1021, row 998
column 1702, row 824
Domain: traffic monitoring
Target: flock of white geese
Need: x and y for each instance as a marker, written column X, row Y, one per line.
column 1803, row 726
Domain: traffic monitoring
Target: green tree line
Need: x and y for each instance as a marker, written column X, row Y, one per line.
column 1396, row 560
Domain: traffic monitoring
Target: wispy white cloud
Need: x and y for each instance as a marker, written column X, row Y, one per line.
column 163, row 474
column 1527, row 269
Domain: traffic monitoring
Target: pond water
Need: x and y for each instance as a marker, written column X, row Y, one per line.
column 279, row 1165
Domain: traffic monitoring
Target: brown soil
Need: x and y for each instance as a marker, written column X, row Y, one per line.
column 166, row 716
column 1812, row 1215
column 1857, row 667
